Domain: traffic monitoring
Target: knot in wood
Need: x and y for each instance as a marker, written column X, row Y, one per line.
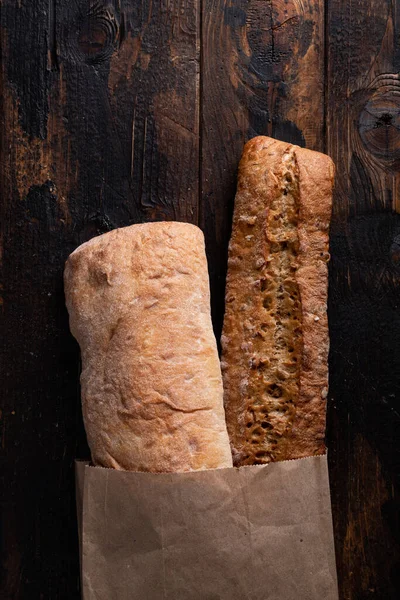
column 379, row 122
column 97, row 35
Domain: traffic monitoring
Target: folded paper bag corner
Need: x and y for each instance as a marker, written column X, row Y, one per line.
column 262, row 531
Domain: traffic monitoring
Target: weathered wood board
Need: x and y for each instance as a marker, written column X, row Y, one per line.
column 362, row 121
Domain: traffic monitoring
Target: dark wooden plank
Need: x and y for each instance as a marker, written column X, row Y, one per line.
column 99, row 128
column 262, row 74
column 363, row 139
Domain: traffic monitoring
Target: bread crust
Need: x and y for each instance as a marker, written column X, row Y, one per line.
column 275, row 335
column 139, row 306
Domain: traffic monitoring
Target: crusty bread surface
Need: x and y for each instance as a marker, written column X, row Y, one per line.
column 275, row 334
column 139, row 306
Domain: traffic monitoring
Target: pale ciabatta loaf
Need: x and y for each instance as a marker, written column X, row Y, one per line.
column 275, row 333
column 139, row 306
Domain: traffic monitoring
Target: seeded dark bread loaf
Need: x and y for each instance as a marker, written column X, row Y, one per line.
column 139, row 306
column 275, row 334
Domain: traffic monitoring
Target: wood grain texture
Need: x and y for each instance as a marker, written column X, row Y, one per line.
column 262, row 74
column 99, row 128
column 363, row 95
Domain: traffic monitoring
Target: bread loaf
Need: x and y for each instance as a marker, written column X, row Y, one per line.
column 139, row 306
column 275, row 333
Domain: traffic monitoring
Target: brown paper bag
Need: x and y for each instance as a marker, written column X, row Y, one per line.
column 259, row 533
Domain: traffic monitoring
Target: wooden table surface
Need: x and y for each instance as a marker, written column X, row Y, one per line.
column 115, row 112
